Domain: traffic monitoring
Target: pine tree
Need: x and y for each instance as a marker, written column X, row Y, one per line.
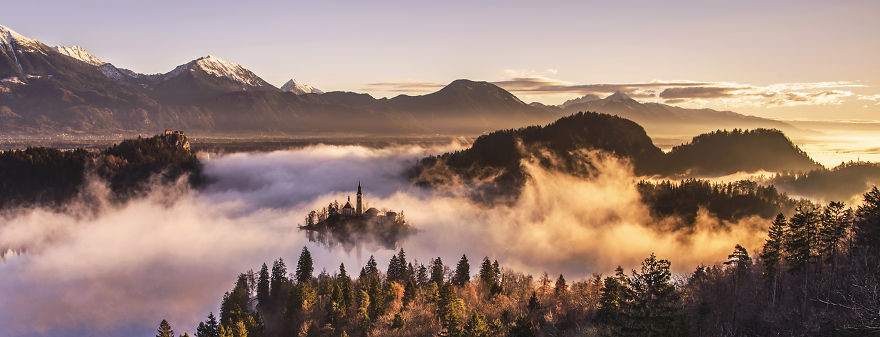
column 655, row 308
column 462, row 272
column 487, row 273
column 476, row 326
column 521, row 327
column 613, row 298
column 409, row 292
column 364, row 322
column 370, row 271
column 346, row 288
column 393, row 267
column 304, row 267
column 801, row 239
column 741, row 261
column 867, row 220
column 164, row 330
column 437, row 271
column 411, row 273
column 401, row 272
column 451, row 310
column 278, row 285
column 336, row 309
column 560, row 288
column 534, row 304
column 771, row 256
column 208, row 328
column 263, row 288
column 422, row 276
column 836, row 221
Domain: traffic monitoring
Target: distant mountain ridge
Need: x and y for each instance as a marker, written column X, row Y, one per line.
column 46, row 91
column 660, row 118
column 67, row 90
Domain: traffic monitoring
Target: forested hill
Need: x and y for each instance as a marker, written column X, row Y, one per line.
column 497, row 156
column 725, row 152
column 50, row 177
column 499, row 153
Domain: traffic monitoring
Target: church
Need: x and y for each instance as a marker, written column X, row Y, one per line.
column 358, row 210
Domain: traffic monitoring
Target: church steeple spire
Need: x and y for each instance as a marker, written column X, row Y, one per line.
column 359, row 209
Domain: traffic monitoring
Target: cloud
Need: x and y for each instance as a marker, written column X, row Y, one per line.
column 536, row 85
column 873, row 98
column 696, row 92
column 121, row 270
column 404, row 87
column 545, row 85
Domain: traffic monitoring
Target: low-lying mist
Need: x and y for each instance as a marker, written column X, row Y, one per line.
column 172, row 254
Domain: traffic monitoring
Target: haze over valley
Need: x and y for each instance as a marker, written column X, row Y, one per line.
column 439, row 169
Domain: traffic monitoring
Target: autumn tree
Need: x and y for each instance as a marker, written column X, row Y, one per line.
column 476, row 326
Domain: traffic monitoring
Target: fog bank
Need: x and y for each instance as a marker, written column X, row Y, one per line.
column 172, row 254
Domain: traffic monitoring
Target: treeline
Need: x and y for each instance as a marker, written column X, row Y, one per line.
column 726, row 201
column 50, row 177
column 842, row 182
column 815, row 275
column 40, row 176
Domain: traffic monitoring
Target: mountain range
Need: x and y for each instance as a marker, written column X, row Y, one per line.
column 67, row 90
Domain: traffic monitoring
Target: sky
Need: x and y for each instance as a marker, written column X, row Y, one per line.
column 795, row 60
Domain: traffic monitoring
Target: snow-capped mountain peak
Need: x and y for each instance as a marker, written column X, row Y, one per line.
column 299, row 88
column 618, row 97
column 583, row 99
column 80, row 53
column 7, row 36
column 217, row 67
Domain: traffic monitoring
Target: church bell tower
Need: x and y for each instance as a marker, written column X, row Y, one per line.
column 359, row 209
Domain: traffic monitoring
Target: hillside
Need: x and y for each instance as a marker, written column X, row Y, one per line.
column 498, row 154
column 493, row 162
column 846, row 182
column 51, row 177
column 726, row 152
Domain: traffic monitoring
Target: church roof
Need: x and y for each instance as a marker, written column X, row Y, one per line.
column 347, row 205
